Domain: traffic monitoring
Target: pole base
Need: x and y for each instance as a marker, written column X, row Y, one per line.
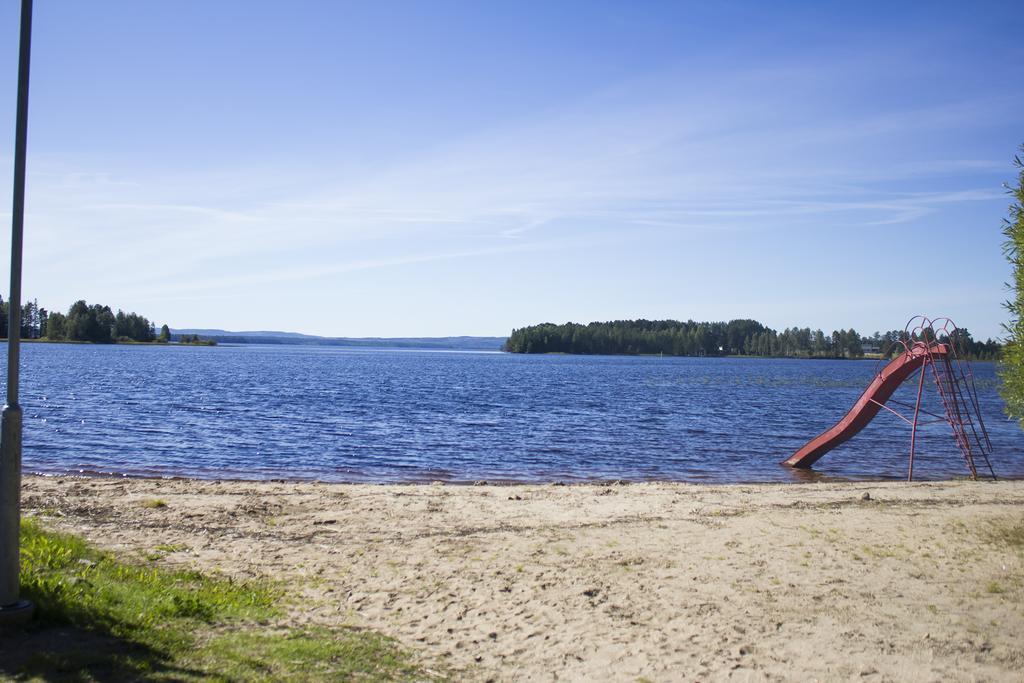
column 17, row 614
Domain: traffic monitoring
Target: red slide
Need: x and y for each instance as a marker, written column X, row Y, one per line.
column 869, row 403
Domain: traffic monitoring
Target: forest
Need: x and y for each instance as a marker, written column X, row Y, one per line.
column 82, row 323
column 734, row 338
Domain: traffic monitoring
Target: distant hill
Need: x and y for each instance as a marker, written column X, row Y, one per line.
column 295, row 338
column 260, row 333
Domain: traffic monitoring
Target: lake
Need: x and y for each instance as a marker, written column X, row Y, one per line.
column 353, row 415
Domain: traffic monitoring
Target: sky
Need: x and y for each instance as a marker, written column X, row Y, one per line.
column 465, row 168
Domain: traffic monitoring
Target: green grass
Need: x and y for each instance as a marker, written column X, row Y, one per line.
column 154, row 503
column 99, row 618
column 171, row 547
column 1006, row 533
column 320, row 654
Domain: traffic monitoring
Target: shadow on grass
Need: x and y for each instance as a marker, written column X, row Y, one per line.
column 102, row 618
column 53, row 652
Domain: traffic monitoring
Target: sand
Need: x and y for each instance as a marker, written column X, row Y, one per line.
column 659, row 582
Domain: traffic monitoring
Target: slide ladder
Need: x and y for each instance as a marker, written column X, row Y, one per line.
column 960, row 401
column 928, row 347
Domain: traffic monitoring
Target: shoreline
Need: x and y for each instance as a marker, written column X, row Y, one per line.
column 651, row 580
column 801, row 477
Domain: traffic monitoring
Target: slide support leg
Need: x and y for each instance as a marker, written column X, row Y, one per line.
column 913, row 429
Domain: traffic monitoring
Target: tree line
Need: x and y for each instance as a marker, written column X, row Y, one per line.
column 96, row 323
column 736, row 337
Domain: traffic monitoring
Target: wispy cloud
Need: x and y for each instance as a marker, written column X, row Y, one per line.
column 311, row 273
column 124, row 208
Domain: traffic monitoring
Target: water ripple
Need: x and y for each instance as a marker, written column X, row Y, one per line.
column 382, row 416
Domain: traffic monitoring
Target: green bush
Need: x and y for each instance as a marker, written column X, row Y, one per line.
column 1012, row 368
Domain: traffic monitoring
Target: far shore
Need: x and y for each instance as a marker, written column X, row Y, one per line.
column 656, row 581
column 110, row 343
column 866, row 356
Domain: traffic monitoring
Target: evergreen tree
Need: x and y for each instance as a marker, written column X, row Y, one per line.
column 30, row 320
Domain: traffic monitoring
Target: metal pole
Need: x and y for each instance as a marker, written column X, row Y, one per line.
column 12, row 609
column 917, row 414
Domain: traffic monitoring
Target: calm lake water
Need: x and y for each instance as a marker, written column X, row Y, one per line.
column 252, row 412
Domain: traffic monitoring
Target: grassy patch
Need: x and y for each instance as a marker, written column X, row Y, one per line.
column 154, row 503
column 878, row 552
column 170, row 547
column 161, row 551
column 310, row 654
column 100, row 618
column 1006, row 533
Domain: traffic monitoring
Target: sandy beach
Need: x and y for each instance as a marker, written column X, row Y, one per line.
column 660, row 582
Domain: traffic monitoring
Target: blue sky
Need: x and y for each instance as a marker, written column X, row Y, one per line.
column 436, row 168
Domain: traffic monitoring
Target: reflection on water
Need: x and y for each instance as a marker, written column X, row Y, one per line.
column 375, row 415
